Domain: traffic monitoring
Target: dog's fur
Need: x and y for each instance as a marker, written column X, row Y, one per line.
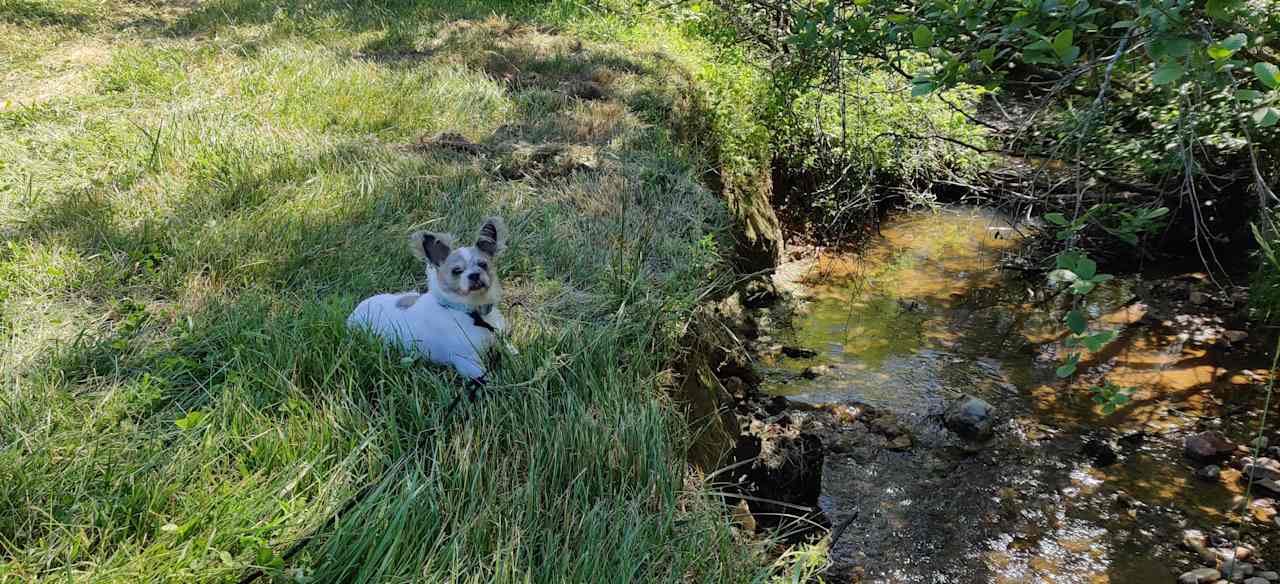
column 426, row 324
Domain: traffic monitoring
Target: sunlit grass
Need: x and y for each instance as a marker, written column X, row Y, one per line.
column 191, row 200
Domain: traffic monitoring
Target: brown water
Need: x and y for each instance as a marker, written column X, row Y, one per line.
column 924, row 315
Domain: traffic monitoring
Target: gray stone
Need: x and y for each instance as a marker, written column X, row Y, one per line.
column 1207, row 447
column 1256, row 580
column 1269, row 576
column 1194, row 540
column 1261, row 468
column 815, row 371
column 1268, row 487
column 1235, row 336
column 798, row 352
column 1209, row 472
column 1236, row 570
column 970, row 417
column 1199, row 576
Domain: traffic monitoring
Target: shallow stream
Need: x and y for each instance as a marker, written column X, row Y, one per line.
column 1064, row 493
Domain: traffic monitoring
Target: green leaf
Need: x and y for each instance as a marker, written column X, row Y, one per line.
column 1124, row 24
column 1085, row 268
column 1266, row 116
column 1056, row 219
column 1097, row 341
column 922, row 88
column 1268, row 74
column 1062, row 42
column 987, row 55
column 1077, row 322
column 1168, row 73
column 1236, row 41
column 1067, row 260
column 1065, row 371
column 1072, row 54
column 1219, row 9
column 922, row 37
column 1224, row 48
column 1040, row 45
column 191, row 420
column 1249, row 94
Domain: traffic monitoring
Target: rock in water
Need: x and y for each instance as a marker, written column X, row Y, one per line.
column 1207, row 447
column 798, row 352
column 970, row 417
column 1235, row 569
column 1100, row 452
column 1199, row 576
column 1209, row 472
column 1194, row 540
column 1262, row 468
column 815, row 371
column 1235, row 336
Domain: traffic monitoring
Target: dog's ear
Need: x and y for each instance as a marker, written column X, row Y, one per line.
column 492, row 238
column 432, row 247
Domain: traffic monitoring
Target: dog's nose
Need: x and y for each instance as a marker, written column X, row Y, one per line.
column 474, row 277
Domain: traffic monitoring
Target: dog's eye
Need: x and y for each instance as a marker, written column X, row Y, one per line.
column 457, row 271
column 483, row 265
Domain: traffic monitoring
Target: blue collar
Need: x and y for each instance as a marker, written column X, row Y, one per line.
column 482, row 310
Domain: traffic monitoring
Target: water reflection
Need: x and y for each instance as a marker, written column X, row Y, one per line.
column 923, row 315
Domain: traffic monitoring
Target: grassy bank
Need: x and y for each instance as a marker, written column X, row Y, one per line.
column 193, row 196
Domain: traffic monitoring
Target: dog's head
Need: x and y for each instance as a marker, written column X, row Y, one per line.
column 463, row 274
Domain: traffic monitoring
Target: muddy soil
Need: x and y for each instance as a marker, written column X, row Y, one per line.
column 850, row 420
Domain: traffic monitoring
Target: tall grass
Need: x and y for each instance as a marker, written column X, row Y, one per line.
column 192, row 199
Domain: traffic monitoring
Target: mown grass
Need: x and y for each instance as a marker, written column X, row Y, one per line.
column 192, row 197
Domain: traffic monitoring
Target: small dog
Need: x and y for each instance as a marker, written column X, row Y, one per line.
column 457, row 321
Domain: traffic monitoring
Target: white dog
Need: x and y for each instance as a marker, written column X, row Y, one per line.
column 457, row 321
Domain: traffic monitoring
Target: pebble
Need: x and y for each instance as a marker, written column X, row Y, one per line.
column 970, row 417
column 736, row 387
column 1198, row 297
column 1207, row 446
column 798, row 352
column 1199, row 576
column 1256, row 580
column 1209, row 472
column 815, row 371
column 1235, row 336
column 902, row 442
column 1235, row 569
column 1263, row 509
column 1269, row 576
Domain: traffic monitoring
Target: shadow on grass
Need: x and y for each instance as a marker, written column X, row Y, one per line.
column 233, row 296
column 37, row 13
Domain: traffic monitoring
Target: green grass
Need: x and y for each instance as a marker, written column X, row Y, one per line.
column 192, row 200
